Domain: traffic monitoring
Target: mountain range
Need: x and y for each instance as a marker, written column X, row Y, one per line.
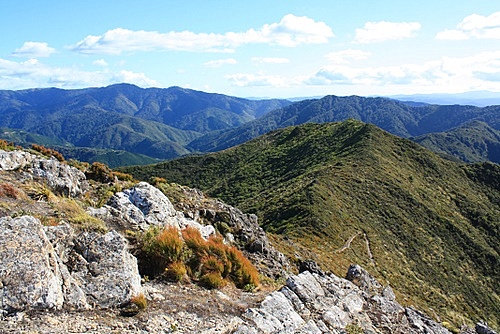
column 349, row 192
column 129, row 122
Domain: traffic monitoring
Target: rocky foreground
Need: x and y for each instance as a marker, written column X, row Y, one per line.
column 65, row 279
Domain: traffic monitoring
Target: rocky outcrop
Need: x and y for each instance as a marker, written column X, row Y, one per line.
column 320, row 303
column 51, row 268
column 143, row 206
column 60, row 177
column 14, row 160
column 30, row 275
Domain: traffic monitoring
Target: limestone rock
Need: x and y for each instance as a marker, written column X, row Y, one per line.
column 29, row 270
column 51, row 268
column 109, row 276
column 61, row 178
column 482, row 328
column 325, row 303
column 12, row 160
column 363, row 280
column 143, row 206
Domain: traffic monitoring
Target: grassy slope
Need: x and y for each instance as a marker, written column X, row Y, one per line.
column 428, row 226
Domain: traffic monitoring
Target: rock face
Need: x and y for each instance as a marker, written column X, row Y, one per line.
column 50, row 268
column 29, row 270
column 13, row 160
column 320, row 303
column 61, row 178
column 143, row 206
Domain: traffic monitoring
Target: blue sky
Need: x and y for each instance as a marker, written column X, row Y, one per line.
column 272, row 48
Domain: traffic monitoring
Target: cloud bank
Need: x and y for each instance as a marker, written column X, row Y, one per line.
column 474, row 26
column 291, row 31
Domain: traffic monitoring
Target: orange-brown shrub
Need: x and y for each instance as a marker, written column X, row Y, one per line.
column 122, row 176
column 210, row 261
column 163, row 244
column 212, row 264
column 100, row 172
column 48, row 152
column 243, row 272
column 193, row 239
column 8, row 190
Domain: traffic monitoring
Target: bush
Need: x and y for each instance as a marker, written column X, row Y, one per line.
column 8, row 190
column 122, row 176
column 193, row 239
column 176, row 271
column 48, row 152
column 242, row 271
column 163, row 244
column 140, row 301
column 100, row 172
column 209, row 261
column 212, row 280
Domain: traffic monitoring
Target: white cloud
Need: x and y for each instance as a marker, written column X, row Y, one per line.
column 474, row 26
column 290, row 31
column 374, row 32
column 34, row 50
column 452, row 35
column 475, row 72
column 221, row 62
column 32, row 73
column 346, row 56
column 100, row 62
column 270, row 60
column 251, row 80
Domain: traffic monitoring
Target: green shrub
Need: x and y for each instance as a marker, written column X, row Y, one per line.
column 140, row 301
column 100, row 172
column 176, row 271
column 212, row 280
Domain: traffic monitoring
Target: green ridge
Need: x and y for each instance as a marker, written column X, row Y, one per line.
column 350, row 192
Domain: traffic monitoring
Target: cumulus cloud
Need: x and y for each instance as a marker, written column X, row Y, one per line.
column 100, row 62
column 34, row 50
column 374, row 32
column 474, row 26
column 290, row 31
column 220, row 62
column 270, row 60
column 251, row 80
column 32, row 73
column 479, row 71
column 346, row 56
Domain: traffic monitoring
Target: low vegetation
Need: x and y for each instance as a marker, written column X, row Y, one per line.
column 179, row 255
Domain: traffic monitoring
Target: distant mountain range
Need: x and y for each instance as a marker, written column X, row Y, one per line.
column 476, row 98
column 144, row 125
column 349, row 192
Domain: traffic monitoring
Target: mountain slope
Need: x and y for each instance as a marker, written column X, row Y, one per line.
column 155, row 122
column 180, row 108
column 398, row 118
column 350, row 193
column 472, row 142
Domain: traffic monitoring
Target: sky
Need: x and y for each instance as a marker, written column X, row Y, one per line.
column 258, row 49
